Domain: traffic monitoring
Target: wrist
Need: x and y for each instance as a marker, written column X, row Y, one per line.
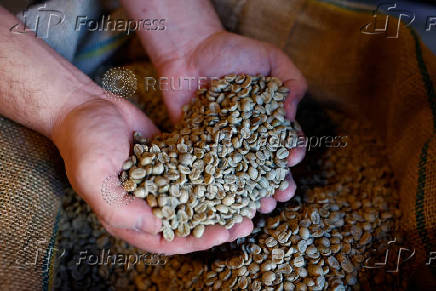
column 37, row 86
column 188, row 23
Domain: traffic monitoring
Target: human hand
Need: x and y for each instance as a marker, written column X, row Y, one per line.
column 94, row 140
column 224, row 53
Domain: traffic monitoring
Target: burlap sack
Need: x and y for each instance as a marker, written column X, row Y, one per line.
column 389, row 81
column 31, row 181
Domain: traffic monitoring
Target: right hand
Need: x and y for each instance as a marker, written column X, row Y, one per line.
column 94, row 140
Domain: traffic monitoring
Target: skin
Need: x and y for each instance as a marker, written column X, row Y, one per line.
column 94, row 133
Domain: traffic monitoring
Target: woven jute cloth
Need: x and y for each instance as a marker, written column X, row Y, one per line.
column 31, row 182
column 388, row 81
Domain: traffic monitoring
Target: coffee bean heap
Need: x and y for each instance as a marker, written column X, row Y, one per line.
column 318, row 241
column 230, row 150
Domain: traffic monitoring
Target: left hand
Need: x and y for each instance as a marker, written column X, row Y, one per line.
column 224, row 53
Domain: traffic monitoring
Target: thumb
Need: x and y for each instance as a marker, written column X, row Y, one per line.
column 292, row 78
column 175, row 100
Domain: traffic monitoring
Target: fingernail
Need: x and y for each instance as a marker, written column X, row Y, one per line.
column 291, row 109
column 149, row 224
column 297, row 125
column 296, row 156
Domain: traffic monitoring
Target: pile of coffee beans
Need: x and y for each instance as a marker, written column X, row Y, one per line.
column 230, row 151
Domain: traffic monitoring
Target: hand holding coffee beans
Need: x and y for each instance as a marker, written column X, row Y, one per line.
column 229, row 151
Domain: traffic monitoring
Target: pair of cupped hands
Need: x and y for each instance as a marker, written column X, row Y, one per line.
column 95, row 138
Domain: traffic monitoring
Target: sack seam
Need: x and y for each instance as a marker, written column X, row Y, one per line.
column 49, row 258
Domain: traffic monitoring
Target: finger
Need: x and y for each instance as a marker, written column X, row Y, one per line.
column 142, row 240
column 297, row 154
column 267, row 205
column 296, row 93
column 285, row 70
column 242, row 229
column 252, row 213
column 176, row 98
column 175, row 102
column 136, row 119
column 288, row 193
column 213, row 235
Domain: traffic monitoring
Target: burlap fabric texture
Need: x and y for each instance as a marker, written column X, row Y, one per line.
column 31, row 182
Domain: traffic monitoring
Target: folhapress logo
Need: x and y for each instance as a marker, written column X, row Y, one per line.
column 41, row 28
column 387, row 19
